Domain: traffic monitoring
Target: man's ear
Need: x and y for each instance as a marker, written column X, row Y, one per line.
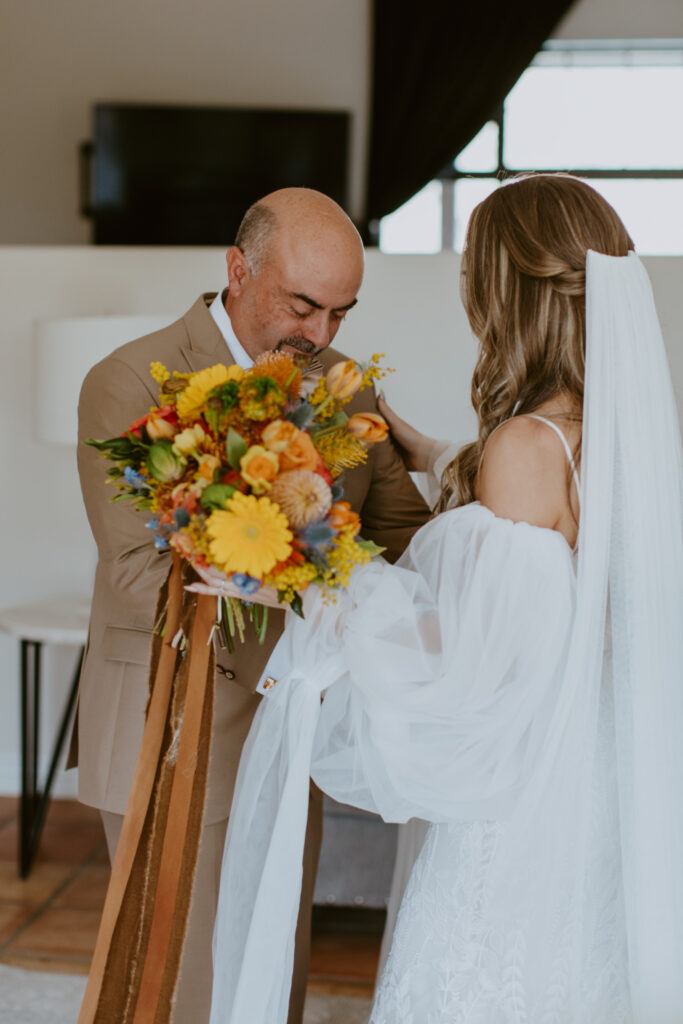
column 238, row 270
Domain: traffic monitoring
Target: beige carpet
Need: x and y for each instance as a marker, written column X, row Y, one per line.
column 31, row 997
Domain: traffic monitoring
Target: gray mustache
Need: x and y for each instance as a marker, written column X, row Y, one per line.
column 299, row 343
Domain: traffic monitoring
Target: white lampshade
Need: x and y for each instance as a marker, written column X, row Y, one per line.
column 64, row 351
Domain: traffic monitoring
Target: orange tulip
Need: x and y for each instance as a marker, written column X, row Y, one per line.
column 159, row 426
column 343, row 380
column 368, row 426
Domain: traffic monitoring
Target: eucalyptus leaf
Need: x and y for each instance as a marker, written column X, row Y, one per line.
column 236, row 447
column 302, row 415
column 318, row 534
column 369, row 545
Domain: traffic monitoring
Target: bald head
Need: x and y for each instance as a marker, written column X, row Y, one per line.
column 299, row 217
column 298, row 263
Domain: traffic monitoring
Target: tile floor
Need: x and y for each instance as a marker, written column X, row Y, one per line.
column 48, row 922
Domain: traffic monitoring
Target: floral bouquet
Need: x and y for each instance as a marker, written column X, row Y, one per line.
column 241, row 472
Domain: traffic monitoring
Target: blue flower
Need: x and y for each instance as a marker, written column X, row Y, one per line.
column 160, row 543
column 247, row 584
column 152, row 524
column 135, row 479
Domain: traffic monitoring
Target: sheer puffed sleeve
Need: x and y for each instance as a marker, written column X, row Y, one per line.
column 449, row 661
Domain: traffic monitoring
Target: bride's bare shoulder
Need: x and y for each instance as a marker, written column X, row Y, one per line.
column 523, row 474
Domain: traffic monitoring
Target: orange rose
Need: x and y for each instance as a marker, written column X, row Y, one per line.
column 368, row 426
column 259, row 468
column 343, row 380
column 278, row 435
column 341, row 516
column 300, row 453
column 208, row 464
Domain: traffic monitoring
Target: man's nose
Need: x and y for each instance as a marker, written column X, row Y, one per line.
column 318, row 330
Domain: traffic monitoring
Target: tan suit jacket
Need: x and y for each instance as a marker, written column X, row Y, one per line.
column 113, row 687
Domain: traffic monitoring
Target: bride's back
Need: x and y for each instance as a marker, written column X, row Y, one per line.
column 526, row 474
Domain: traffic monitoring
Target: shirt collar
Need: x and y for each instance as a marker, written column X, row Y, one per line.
column 220, row 315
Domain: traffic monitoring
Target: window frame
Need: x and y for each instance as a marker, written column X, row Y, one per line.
column 565, row 53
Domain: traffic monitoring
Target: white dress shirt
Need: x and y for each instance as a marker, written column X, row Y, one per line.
column 278, row 663
column 220, row 315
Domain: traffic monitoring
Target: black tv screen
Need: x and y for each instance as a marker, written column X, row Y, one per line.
column 166, row 175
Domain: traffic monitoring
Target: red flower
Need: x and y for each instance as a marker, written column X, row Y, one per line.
column 323, row 471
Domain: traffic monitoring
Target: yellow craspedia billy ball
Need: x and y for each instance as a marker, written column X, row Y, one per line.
column 250, row 536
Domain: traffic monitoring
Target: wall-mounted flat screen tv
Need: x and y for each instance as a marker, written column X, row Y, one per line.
column 172, row 175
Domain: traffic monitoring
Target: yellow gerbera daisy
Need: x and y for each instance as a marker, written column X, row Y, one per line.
column 192, row 398
column 250, row 536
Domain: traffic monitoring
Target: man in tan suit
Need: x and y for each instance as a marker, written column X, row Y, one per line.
column 293, row 274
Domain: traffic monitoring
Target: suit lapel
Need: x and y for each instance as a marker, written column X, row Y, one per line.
column 206, row 345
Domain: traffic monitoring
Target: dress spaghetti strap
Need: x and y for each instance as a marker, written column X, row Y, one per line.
column 563, row 439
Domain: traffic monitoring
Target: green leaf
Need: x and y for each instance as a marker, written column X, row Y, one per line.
column 340, row 419
column 136, row 442
column 235, row 447
column 216, row 495
column 369, row 545
column 296, row 604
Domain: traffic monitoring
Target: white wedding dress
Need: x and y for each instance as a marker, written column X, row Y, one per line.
column 485, row 625
column 449, row 962
column 471, row 686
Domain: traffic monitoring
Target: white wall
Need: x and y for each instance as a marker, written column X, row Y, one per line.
column 409, row 309
column 58, row 59
column 622, row 19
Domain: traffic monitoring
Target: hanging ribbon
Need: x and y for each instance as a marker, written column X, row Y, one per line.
column 142, row 930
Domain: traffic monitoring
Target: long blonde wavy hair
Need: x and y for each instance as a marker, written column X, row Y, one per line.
column 523, row 286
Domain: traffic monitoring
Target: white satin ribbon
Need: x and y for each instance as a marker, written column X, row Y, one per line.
column 259, row 901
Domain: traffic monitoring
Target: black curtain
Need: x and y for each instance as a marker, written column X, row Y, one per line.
column 441, row 69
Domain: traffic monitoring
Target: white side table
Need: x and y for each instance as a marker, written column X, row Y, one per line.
column 62, row 620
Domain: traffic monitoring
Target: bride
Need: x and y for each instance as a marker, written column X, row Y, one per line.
column 516, row 679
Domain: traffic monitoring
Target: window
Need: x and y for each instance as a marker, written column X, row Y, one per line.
column 608, row 112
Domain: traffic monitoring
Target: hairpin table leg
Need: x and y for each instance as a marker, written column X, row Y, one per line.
column 34, row 802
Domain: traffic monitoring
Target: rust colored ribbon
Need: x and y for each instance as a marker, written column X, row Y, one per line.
column 139, row 944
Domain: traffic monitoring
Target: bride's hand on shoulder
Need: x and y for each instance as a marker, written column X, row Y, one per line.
column 416, row 449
